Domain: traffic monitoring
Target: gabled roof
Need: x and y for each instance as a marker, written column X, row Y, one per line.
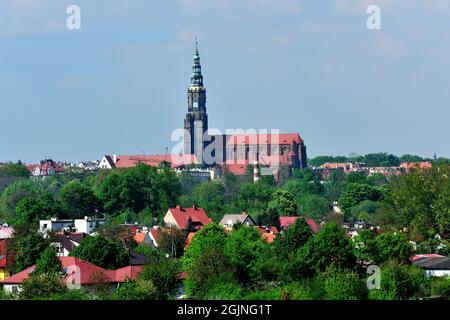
column 6, row 232
column 84, row 272
column 175, row 160
column 268, row 237
column 433, row 263
column 287, row 221
column 189, row 239
column 137, row 259
column 181, row 216
column 230, row 219
column 269, row 138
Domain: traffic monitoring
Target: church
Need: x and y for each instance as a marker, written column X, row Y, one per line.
column 237, row 150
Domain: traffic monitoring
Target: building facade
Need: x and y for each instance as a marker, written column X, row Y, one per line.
column 286, row 149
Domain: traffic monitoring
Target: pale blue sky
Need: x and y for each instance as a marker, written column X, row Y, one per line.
column 119, row 84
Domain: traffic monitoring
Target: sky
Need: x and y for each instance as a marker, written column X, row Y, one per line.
column 119, row 84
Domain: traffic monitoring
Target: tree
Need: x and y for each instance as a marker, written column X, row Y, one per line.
column 14, row 170
column 42, row 286
column 392, row 246
column 343, row 285
column 172, row 241
column 400, row 281
column 137, row 290
column 313, row 206
column 210, row 196
column 25, row 247
column 354, row 193
column 164, row 276
column 283, row 203
column 269, row 218
column 78, row 199
column 293, row 238
column 48, row 262
column 254, row 197
column 102, row 252
column 329, row 246
column 33, row 209
column 420, row 201
column 370, row 208
column 208, row 270
column 13, row 194
column 211, row 236
column 242, row 248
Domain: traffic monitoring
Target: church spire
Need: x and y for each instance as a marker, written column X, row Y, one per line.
column 196, row 77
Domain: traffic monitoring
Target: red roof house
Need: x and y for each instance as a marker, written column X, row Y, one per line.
column 81, row 272
column 287, row 221
column 179, row 217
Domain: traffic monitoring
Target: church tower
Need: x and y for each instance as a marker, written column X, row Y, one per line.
column 196, row 121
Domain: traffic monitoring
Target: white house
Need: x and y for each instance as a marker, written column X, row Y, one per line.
column 229, row 220
column 88, row 225
column 55, row 225
column 434, row 265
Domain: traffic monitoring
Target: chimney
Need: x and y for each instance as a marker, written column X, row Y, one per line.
column 115, row 159
column 255, row 172
column 178, row 207
column 194, row 207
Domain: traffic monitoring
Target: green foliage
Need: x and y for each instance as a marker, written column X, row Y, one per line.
column 254, row 197
column 400, row 281
column 137, row 290
column 313, row 206
column 392, row 246
column 163, row 276
column 211, row 236
column 440, row 286
column 103, row 252
column 269, row 218
column 242, row 248
column 283, row 203
column 343, row 285
column 420, row 201
column 355, row 193
column 293, row 238
column 25, row 247
column 225, row 290
column 370, row 208
column 42, row 286
column 208, row 270
column 13, row 194
column 29, row 210
column 14, row 170
column 139, row 188
column 48, row 262
column 329, row 246
column 410, row 158
column 210, row 196
column 78, row 200
column 172, row 241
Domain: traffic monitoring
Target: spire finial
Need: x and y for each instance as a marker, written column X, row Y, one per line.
column 196, row 44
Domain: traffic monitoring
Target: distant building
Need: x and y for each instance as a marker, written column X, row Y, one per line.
column 130, row 161
column 229, row 220
column 434, row 265
column 179, row 217
column 78, row 274
column 88, row 225
column 46, row 167
column 55, row 225
column 234, row 150
column 287, row 221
